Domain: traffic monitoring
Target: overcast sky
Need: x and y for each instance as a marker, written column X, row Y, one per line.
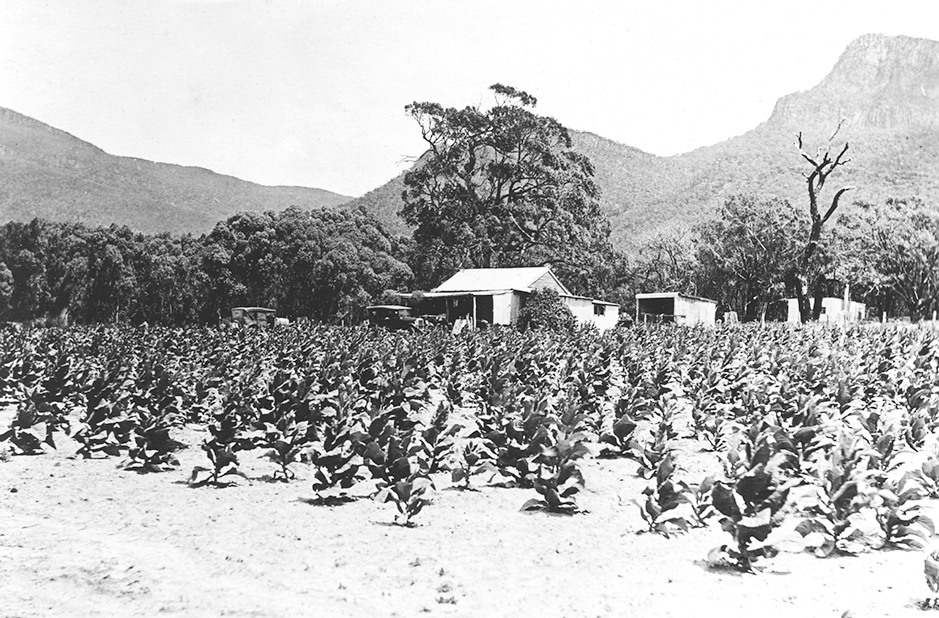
column 313, row 92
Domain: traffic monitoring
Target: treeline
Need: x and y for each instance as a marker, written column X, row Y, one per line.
column 886, row 254
column 327, row 265
column 321, row 264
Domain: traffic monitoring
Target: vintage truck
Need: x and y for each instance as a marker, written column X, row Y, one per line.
column 253, row 316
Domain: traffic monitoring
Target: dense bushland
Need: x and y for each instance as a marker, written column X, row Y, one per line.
column 324, row 264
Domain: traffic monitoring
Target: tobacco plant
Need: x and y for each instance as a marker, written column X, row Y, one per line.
column 660, row 508
column 433, row 444
column 408, row 495
column 904, row 525
column 650, row 452
column 401, row 480
column 226, row 437
column 107, row 425
column 283, row 424
column 619, row 437
column 557, row 475
column 474, row 459
column 699, row 499
column 28, row 431
column 151, row 449
column 843, row 489
column 156, row 410
column 336, row 456
column 751, row 507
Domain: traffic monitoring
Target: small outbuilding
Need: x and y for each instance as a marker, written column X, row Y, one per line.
column 675, row 307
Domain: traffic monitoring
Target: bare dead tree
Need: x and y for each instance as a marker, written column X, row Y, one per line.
column 822, row 165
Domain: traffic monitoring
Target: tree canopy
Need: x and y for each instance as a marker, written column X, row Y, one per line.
column 322, row 264
column 501, row 187
column 891, row 251
column 746, row 254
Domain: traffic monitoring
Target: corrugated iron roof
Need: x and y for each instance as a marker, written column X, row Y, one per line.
column 653, row 295
column 482, row 279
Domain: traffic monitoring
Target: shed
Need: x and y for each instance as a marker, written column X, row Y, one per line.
column 675, row 307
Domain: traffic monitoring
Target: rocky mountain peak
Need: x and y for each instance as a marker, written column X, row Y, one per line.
column 878, row 82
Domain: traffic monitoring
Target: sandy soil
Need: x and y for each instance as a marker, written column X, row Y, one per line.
column 87, row 538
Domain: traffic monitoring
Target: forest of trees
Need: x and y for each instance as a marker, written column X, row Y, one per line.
column 498, row 186
column 322, row 264
column 888, row 255
column 328, row 265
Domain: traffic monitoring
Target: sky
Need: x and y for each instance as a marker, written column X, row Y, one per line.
column 312, row 92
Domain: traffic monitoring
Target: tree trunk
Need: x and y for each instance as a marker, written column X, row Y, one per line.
column 751, row 306
column 801, row 287
column 819, row 296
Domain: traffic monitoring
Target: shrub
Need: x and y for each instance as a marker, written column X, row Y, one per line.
column 544, row 310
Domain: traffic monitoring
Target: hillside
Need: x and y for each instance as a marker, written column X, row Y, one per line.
column 886, row 88
column 45, row 172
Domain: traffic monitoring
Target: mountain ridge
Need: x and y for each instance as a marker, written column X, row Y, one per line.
column 52, row 174
column 893, row 137
column 886, row 88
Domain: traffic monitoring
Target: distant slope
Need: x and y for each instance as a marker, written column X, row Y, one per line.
column 45, row 172
column 384, row 202
column 887, row 89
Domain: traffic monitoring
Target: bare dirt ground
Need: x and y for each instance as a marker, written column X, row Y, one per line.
column 82, row 538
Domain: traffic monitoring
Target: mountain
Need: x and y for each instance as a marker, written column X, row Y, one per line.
column 885, row 88
column 48, row 173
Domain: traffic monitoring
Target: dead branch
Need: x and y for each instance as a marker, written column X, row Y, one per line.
column 835, row 132
column 834, row 203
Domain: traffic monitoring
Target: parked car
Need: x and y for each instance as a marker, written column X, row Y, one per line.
column 393, row 317
column 253, row 316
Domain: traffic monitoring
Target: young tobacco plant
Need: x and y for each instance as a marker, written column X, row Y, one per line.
column 699, row 498
column 558, row 478
column 925, row 478
column 660, row 508
column 904, row 525
column 151, row 448
column 156, row 411
column 29, row 431
column 227, row 430
column 45, row 399
column 619, row 437
column 107, row 425
column 844, row 487
column 339, row 464
column 751, row 508
column 338, row 450
column 400, row 480
column 433, row 444
column 650, row 453
column 475, row 458
column 408, row 495
column 283, row 425
column 517, row 436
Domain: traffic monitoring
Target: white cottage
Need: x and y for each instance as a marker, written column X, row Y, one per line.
column 496, row 296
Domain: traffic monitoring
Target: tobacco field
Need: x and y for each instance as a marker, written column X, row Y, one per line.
column 748, row 455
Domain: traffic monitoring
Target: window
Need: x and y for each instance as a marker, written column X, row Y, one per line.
column 599, row 309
